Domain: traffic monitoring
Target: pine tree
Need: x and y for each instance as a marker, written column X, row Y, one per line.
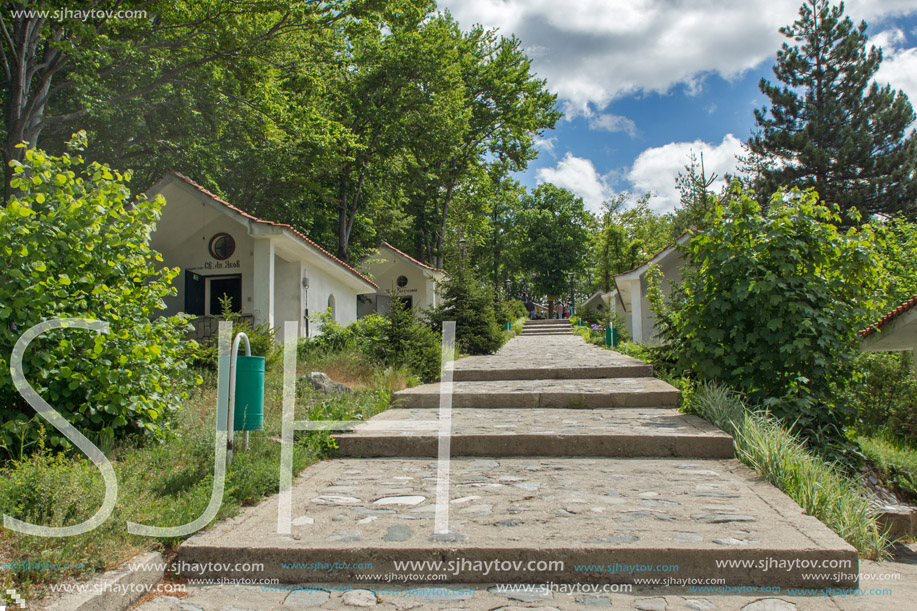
column 830, row 126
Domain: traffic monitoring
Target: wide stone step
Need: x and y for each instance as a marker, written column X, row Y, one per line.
column 548, row 321
column 549, row 358
column 590, row 393
column 574, row 520
column 625, row 432
column 559, row 332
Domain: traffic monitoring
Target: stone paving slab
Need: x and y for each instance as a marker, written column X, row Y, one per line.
column 624, row 432
column 566, row 511
column 543, row 358
column 590, row 393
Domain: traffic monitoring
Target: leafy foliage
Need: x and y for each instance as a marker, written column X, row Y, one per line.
column 884, row 395
column 472, row 309
column 509, row 311
column 896, row 244
column 770, row 307
column 76, row 244
column 555, row 225
column 830, row 126
column 628, row 233
column 395, row 338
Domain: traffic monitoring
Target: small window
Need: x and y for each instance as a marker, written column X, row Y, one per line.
column 222, row 245
column 402, row 281
column 331, row 307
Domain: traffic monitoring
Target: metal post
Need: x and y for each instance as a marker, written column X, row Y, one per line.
column 232, row 392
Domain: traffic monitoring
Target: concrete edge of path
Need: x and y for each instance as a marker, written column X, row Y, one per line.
column 117, row 589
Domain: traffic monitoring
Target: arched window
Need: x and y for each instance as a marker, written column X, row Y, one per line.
column 331, row 307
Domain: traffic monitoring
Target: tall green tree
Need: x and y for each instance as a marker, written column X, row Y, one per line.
column 65, row 62
column 829, row 125
column 555, row 228
column 505, row 106
column 696, row 200
column 628, row 233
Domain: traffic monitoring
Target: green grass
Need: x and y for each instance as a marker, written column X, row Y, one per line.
column 894, row 461
column 822, row 490
column 169, row 483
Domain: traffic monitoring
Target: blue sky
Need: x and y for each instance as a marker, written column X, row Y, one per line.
column 644, row 82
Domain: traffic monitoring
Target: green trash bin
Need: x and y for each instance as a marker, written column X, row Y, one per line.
column 608, row 338
column 507, row 326
column 248, row 410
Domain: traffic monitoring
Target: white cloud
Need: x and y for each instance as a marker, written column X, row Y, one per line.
column 546, row 144
column 579, row 176
column 594, row 51
column 656, row 169
column 899, row 66
column 613, row 123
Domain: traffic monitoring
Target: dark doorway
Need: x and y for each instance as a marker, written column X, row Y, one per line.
column 225, row 285
column 194, row 294
column 407, row 301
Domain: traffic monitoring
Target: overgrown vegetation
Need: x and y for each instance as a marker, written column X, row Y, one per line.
column 895, row 462
column 76, row 244
column 885, row 396
column 782, row 458
column 169, row 482
column 260, row 337
column 395, row 339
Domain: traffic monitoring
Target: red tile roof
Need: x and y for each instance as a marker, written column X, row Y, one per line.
column 410, row 258
column 901, row 309
column 302, row 237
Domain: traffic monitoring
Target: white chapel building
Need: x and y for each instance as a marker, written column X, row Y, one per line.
column 397, row 273
column 271, row 272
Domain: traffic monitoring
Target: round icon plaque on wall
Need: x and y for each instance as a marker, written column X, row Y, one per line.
column 222, row 246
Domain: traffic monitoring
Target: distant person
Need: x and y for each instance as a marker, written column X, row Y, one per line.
column 530, row 307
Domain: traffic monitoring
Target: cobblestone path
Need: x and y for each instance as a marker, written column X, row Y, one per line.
column 570, row 466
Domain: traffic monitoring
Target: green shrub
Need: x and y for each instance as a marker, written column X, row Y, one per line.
column 471, row 307
column 405, row 340
column 76, row 244
column 770, row 306
column 508, row 311
column 393, row 339
column 884, row 394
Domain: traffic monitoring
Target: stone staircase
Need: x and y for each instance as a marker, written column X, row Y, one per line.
column 547, row 327
column 565, row 457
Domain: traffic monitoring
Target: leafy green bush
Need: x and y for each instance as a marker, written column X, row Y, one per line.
column 884, row 394
column 770, row 306
column 396, row 338
column 508, row 311
column 472, row 309
column 76, row 244
column 406, row 340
